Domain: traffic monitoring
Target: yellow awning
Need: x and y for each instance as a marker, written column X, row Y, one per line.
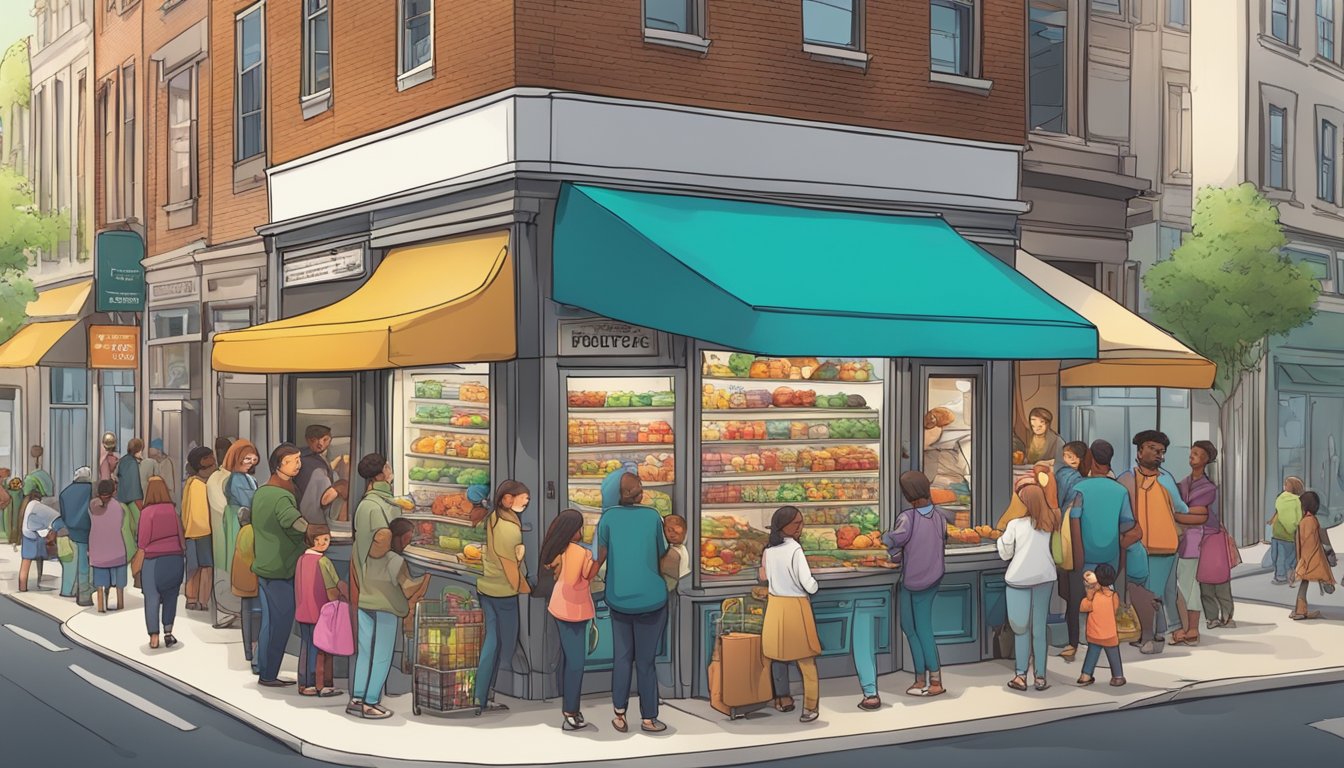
column 66, row 301
column 450, row 301
column 27, row 346
column 1131, row 352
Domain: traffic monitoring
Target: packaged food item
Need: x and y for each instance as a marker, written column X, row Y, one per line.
column 758, row 398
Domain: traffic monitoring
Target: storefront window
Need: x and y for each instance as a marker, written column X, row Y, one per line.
column 446, row 427
column 230, row 319
column 69, row 386
column 614, row 423
column 170, row 366
column 805, row 432
column 949, row 434
column 118, row 405
column 329, row 401
column 175, row 321
column 10, row 441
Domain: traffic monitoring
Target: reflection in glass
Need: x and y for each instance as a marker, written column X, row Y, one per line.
column 948, row 429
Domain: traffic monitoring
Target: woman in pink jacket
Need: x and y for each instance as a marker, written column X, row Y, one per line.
column 164, row 549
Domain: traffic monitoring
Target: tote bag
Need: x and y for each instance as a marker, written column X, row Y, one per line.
column 1061, row 541
column 1214, row 562
column 334, row 633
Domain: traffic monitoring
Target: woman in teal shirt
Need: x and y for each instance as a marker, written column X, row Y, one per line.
column 630, row 542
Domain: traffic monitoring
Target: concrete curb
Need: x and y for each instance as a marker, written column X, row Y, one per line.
column 742, row 755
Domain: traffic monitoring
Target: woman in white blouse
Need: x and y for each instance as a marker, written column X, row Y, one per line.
column 790, row 632
column 1031, row 582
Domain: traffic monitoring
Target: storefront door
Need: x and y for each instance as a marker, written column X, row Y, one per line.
column 1326, row 428
column 177, row 424
column 118, row 405
column 71, row 445
column 11, row 437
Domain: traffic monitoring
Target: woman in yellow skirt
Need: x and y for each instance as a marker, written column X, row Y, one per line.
column 790, row 633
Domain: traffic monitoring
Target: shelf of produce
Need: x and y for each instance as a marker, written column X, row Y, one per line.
column 739, row 476
column 445, row 401
column 747, row 505
column 628, row 409
column 793, row 441
column 796, row 382
column 611, row 447
column 437, row 486
column 446, row 429
column 711, row 414
column 433, row 559
column 454, row 459
column 598, row 481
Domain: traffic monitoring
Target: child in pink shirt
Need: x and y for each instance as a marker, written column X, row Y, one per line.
column 316, row 583
column 571, row 605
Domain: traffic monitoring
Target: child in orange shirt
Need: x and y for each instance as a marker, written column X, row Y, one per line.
column 1101, row 605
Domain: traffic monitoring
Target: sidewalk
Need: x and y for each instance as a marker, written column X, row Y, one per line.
column 1266, row 651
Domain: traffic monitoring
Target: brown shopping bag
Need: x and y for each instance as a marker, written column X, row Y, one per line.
column 1127, row 624
column 739, row 673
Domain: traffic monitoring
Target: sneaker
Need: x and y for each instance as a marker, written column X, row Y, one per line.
column 1150, row 649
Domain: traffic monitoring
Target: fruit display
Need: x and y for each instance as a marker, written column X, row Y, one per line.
column 743, row 366
column 714, row 398
column 623, row 399
column 591, row 497
column 474, row 393
column 971, row 536
column 785, row 430
column 839, row 458
column 433, row 389
column 448, row 475
column 765, row 492
column 457, row 447
column 729, row 544
column 602, row 432
column 652, row 468
column 448, row 416
column 447, row 541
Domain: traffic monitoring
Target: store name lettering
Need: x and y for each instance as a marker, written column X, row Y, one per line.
column 606, row 338
column 609, row 341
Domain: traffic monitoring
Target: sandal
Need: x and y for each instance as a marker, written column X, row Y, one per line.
column 328, row 693
column 1018, row 683
column 916, row 688
column 153, row 641
column 1042, row 683
column 1117, row 681
column 780, row 706
column 374, row 712
column 354, row 707
column 618, row 722
column 572, row 723
column 870, row 703
column 809, row 716
column 653, row 726
column 308, row 691
column 1068, row 653
column 169, row 640
column 1086, row 680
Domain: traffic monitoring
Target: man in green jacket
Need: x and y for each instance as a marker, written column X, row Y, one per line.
column 277, row 529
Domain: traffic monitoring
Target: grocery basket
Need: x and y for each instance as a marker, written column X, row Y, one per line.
column 447, row 645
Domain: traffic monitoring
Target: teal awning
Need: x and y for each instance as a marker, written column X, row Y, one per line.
column 782, row 280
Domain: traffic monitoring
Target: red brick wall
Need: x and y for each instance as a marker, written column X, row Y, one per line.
column 116, row 40
column 233, row 216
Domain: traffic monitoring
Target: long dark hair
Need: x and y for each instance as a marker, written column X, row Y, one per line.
column 1311, row 503
column 506, row 488
column 779, row 521
column 560, row 535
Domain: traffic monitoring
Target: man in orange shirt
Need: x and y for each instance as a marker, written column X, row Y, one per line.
column 1158, row 508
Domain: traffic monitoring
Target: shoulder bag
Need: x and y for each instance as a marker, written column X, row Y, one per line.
column 1061, row 541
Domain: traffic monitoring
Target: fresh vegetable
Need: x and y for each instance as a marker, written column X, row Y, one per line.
column 740, row 364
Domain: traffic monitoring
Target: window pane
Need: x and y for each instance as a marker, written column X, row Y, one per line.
column 319, row 41
column 417, row 43
column 951, row 28
column 949, row 452
column 1329, row 141
column 249, row 39
column 69, row 386
column 250, row 137
column 1279, row 20
column 1178, row 13
column 1106, row 6
column 231, row 319
column 1325, row 28
column 829, row 22
column 250, row 92
column 1048, row 28
column 1276, row 153
column 669, row 15
column 315, row 6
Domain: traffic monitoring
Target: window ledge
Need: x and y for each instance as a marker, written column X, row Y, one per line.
column 1279, row 195
column 1329, row 67
column 1278, row 46
column 422, row 74
column 182, row 206
column 676, row 40
column 1327, row 209
column 249, row 174
column 1179, row 180
column 847, row 56
column 316, row 104
column 977, row 84
column 169, row 5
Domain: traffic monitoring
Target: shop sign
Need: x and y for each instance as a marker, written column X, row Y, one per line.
column 603, row 338
column 172, row 291
column 119, row 276
column 324, row 267
column 114, row 346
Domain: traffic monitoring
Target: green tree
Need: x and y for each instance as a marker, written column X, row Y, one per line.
column 22, row 230
column 15, row 77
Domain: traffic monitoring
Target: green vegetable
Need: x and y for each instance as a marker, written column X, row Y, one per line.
column 418, row 474
column 741, row 364
column 432, row 475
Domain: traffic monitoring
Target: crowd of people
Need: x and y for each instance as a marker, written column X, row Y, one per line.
column 1139, row 554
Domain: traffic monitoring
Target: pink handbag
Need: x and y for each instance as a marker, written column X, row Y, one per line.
column 333, row 633
column 1214, row 565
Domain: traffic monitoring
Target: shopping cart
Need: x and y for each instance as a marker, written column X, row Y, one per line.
column 447, row 645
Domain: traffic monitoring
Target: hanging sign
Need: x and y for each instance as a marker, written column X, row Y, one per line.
column 606, row 338
column 114, row 346
column 324, row 267
column 119, row 275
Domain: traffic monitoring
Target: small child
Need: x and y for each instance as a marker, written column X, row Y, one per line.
column 1100, row 605
column 243, row 583
column 403, row 532
column 1287, row 516
column 676, row 564
column 316, row 583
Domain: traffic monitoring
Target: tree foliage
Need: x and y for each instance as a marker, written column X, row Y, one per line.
column 22, row 229
column 15, row 76
column 1229, row 286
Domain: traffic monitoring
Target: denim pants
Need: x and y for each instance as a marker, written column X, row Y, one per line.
column 161, row 578
column 1112, row 658
column 1028, row 609
column 864, row 644
column 917, row 624
column 501, row 639
column 77, row 577
column 1071, row 591
column 635, row 638
column 373, row 655
column 251, row 620
column 574, row 647
column 277, row 623
column 1162, row 582
column 1285, row 558
column 312, row 662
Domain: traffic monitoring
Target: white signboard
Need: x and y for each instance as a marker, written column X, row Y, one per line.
column 324, row 267
column 178, row 289
column 606, row 338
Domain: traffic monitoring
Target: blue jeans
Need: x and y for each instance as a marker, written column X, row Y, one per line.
column 501, row 639
column 77, row 577
column 277, row 623
column 251, row 620
column 1112, row 658
column 307, row 656
column 864, row 644
column 1162, row 582
column 574, row 647
column 161, row 578
column 373, row 655
column 1285, row 558
column 635, row 638
column 1028, row 609
column 917, row 624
